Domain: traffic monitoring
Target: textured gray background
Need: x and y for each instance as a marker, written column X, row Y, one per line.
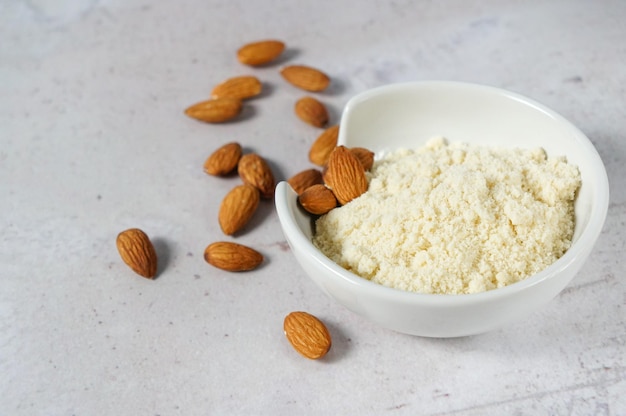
column 93, row 141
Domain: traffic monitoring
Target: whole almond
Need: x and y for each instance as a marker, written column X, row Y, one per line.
column 324, row 144
column 241, row 88
column 312, row 111
column 255, row 171
column 317, row 199
column 347, row 173
column 302, row 180
column 232, row 257
column 237, row 208
column 306, row 77
column 215, row 111
column 307, row 334
column 137, row 252
column 260, row 53
column 224, row 160
column 365, row 156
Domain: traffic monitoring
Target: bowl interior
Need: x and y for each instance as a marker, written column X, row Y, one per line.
column 407, row 115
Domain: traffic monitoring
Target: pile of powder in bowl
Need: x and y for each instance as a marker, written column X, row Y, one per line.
column 455, row 218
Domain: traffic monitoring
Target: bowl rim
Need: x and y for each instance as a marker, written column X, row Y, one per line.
column 583, row 243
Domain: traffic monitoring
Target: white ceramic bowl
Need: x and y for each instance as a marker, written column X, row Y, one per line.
column 407, row 115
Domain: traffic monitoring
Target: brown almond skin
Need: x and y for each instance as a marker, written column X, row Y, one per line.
column 215, row 111
column 324, row 144
column 255, row 171
column 307, row 334
column 365, row 156
column 348, row 175
column 137, row 252
column 327, row 177
column 311, row 111
column 232, row 257
column 306, row 77
column 317, row 200
column 260, row 52
column 241, row 88
column 304, row 179
column 224, row 160
column 237, row 208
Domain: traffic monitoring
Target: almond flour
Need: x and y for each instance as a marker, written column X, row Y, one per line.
column 455, row 218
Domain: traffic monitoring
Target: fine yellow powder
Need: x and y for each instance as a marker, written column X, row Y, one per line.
column 455, row 218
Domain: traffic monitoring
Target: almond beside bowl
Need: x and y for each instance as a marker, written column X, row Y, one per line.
column 406, row 116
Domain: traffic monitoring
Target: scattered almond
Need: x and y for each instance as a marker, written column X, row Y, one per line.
column 307, row 334
column 232, row 257
column 255, row 171
column 306, row 77
column 324, row 145
column 365, row 156
column 241, row 88
column 215, row 111
column 224, row 160
column 237, row 208
column 260, row 53
column 137, row 252
column 302, row 180
column 312, row 111
column 347, row 173
column 317, row 199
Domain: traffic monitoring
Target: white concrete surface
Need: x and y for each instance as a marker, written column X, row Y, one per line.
column 93, row 140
